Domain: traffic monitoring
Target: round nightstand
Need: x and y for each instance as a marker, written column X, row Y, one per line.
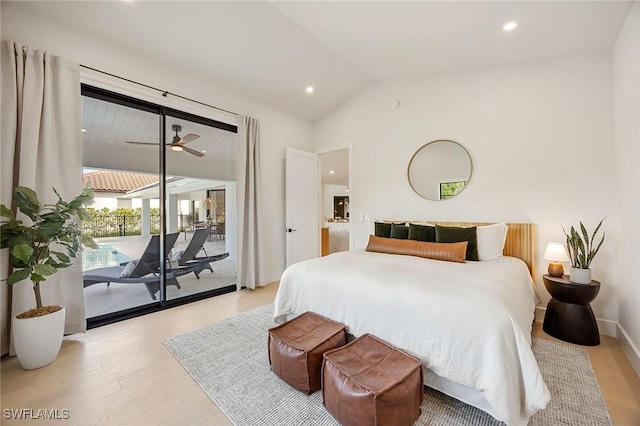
column 569, row 316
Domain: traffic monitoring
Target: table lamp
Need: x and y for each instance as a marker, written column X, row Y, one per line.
column 556, row 253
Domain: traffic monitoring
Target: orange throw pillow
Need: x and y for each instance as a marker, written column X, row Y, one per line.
column 450, row 252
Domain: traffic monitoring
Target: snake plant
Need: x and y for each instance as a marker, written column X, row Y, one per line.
column 580, row 248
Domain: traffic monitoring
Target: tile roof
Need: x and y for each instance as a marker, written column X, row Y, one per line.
column 111, row 181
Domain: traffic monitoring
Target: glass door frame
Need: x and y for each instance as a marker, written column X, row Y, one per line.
column 162, row 111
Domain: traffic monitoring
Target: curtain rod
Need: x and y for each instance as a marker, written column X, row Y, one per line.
column 165, row 93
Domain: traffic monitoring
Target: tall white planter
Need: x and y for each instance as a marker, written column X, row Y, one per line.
column 580, row 276
column 37, row 340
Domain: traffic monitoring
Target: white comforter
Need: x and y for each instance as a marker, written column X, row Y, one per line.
column 338, row 236
column 469, row 322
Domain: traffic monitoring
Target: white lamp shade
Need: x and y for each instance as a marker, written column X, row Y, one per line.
column 556, row 252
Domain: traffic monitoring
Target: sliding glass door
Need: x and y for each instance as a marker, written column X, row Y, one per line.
column 200, row 204
column 120, row 154
column 164, row 219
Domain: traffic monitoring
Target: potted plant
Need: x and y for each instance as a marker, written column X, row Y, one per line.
column 581, row 252
column 37, row 250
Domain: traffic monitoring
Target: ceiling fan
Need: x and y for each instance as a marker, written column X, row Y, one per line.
column 178, row 143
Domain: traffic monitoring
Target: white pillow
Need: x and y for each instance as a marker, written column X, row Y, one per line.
column 177, row 255
column 491, row 239
column 128, row 269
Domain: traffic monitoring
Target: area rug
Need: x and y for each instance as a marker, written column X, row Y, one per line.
column 229, row 360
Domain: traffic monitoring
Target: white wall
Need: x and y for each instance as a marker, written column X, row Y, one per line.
column 539, row 135
column 278, row 130
column 626, row 145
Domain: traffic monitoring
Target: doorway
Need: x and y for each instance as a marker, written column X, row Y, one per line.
column 336, row 197
column 158, row 178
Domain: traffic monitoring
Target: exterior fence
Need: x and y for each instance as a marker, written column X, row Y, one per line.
column 123, row 225
column 119, row 225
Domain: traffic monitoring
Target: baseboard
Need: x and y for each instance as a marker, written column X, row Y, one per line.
column 606, row 327
column 629, row 349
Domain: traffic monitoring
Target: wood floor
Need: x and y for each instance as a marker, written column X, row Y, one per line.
column 122, row 374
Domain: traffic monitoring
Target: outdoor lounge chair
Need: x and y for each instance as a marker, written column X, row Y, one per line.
column 189, row 257
column 145, row 270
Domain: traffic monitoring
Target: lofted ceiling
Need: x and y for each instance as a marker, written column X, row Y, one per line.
column 270, row 51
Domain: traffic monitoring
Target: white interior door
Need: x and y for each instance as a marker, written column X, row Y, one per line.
column 302, row 205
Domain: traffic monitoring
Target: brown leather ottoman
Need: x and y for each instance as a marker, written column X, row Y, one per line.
column 296, row 348
column 370, row 383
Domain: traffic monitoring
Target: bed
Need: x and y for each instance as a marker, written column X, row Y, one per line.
column 338, row 236
column 469, row 323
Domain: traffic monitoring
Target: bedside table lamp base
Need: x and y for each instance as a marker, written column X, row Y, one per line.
column 555, row 269
column 556, row 253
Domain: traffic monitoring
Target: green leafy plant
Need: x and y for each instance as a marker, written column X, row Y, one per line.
column 47, row 244
column 580, row 248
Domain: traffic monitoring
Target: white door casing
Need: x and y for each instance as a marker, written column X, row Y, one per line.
column 302, row 204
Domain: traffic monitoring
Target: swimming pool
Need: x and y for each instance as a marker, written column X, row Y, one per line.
column 102, row 256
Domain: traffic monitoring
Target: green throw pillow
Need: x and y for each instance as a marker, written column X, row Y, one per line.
column 399, row 231
column 422, row 233
column 383, row 229
column 454, row 234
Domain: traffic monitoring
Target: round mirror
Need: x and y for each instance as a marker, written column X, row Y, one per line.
column 440, row 170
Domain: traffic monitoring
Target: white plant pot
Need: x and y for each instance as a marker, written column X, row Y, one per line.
column 37, row 340
column 580, row 276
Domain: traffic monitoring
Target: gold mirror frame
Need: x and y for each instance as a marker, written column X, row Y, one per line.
column 461, row 163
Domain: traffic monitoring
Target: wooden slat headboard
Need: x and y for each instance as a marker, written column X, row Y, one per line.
column 520, row 241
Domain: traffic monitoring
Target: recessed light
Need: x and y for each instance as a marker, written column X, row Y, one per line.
column 310, row 89
column 331, row 172
column 83, row 130
column 204, row 150
column 510, row 26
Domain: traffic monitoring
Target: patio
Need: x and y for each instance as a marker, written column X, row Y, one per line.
column 100, row 299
